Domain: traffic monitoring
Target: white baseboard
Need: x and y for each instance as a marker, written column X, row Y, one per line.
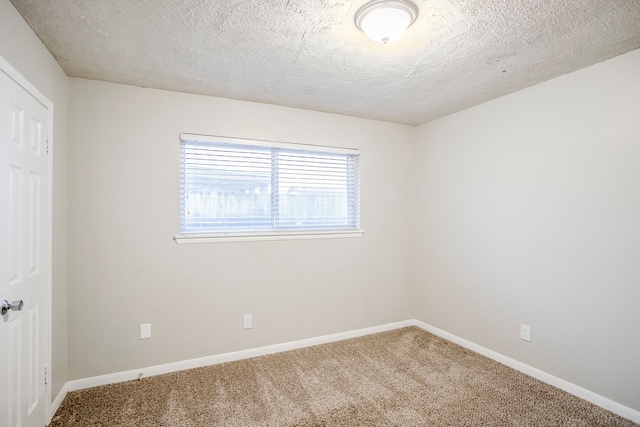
column 585, row 394
column 571, row 388
column 55, row 404
column 228, row 357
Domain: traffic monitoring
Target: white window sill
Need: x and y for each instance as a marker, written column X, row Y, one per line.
column 182, row 239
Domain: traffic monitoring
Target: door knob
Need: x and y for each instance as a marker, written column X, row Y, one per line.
column 15, row 306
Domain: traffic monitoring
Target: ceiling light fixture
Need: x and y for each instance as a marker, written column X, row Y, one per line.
column 386, row 20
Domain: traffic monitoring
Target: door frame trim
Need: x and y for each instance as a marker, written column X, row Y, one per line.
column 16, row 76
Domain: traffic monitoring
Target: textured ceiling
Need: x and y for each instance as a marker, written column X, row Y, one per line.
column 309, row 54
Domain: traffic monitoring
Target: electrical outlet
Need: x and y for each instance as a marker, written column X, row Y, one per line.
column 525, row 332
column 145, row 331
column 247, row 321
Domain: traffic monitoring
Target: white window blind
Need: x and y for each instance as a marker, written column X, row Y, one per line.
column 230, row 185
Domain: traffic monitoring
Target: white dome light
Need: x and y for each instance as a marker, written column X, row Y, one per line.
column 386, row 20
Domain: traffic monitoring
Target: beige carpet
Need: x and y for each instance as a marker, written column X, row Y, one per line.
column 406, row 377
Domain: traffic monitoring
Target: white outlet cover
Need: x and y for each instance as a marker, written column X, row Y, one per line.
column 145, row 331
column 525, row 332
column 247, row 322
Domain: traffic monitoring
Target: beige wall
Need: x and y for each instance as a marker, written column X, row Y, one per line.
column 521, row 210
column 23, row 50
column 125, row 268
column 528, row 211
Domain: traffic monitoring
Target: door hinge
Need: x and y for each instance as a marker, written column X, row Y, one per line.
column 45, row 376
column 47, row 145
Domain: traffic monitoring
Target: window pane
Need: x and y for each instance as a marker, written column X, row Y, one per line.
column 251, row 188
column 312, row 189
column 226, row 187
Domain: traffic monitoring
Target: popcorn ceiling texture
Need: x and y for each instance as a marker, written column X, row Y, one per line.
column 406, row 377
column 309, row 54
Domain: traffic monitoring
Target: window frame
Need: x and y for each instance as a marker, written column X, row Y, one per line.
column 272, row 234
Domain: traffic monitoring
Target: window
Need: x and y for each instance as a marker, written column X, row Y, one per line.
column 234, row 188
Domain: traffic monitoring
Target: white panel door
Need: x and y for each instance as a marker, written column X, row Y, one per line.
column 23, row 255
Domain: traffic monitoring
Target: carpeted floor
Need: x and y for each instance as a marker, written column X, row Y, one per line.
column 406, row 377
